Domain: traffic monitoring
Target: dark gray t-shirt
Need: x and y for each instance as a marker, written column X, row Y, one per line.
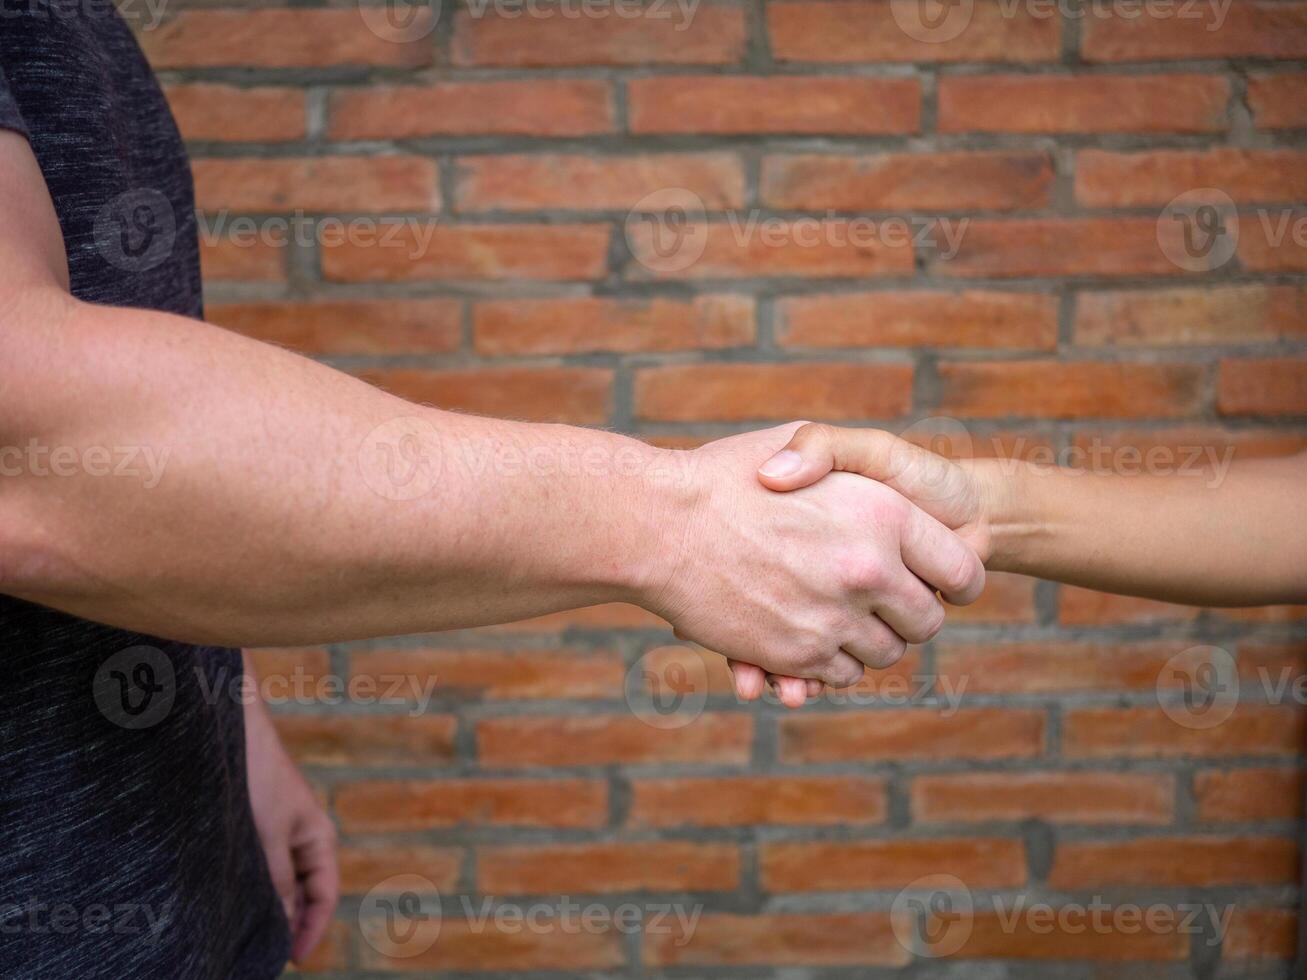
column 127, row 846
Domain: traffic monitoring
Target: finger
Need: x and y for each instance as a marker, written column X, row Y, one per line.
column 844, row 669
column 910, row 608
column 876, row 645
column 749, row 680
column 815, row 688
column 315, row 861
column 281, row 869
column 792, row 691
column 932, row 482
column 941, row 559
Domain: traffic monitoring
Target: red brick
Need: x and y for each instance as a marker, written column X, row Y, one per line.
column 1181, row 317
column 625, row 866
column 809, row 866
column 715, row 34
column 363, row 868
column 1278, row 101
column 437, row 252
column 1007, row 598
column 1147, row 733
column 912, row 733
column 1086, row 607
column 407, row 805
column 1160, row 862
column 747, row 245
column 466, row 945
column 279, row 667
column 1106, row 179
column 990, row 180
column 1052, row 247
column 1240, row 30
column 1082, row 104
column 766, row 800
column 1040, row 668
column 722, row 105
column 417, row 326
column 539, row 107
column 577, row 395
column 740, row 392
column 222, row 259
column 601, row 740
column 575, row 182
column 574, row 326
column 1238, row 795
column 867, row 31
column 1192, row 445
column 1058, row 797
column 278, row 38
column 377, row 183
column 232, row 114
column 972, row 318
column 1273, row 240
column 1262, row 387
column 495, row 675
column 1044, row 932
column 1053, row 390
column 779, row 939
column 1261, row 934
column 353, row 740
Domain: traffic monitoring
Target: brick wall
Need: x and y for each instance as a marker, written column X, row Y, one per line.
column 1071, row 181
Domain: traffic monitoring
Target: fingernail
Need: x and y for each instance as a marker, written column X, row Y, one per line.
column 784, row 463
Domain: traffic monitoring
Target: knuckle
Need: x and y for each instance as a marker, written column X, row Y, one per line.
column 888, row 650
column 964, row 573
column 811, row 433
column 866, row 573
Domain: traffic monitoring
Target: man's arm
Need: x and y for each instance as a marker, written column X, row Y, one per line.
column 281, row 513
column 1206, row 538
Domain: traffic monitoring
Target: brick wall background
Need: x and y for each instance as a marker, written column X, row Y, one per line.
column 1074, row 313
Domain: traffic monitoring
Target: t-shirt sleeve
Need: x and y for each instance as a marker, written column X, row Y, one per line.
column 10, row 117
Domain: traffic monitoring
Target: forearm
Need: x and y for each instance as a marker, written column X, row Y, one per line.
column 267, row 518
column 1207, row 539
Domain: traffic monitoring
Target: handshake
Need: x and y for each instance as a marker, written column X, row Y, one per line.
column 812, row 553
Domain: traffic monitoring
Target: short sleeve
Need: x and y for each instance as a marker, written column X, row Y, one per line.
column 10, row 117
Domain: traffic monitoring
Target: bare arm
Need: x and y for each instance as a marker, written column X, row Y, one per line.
column 286, row 510
column 1206, row 538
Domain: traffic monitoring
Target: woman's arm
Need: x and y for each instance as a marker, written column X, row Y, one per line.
column 1231, row 538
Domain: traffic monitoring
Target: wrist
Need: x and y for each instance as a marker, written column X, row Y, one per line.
column 1002, row 486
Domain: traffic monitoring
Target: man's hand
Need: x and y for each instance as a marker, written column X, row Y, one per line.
column 947, row 491
column 298, row 838
column 816, row 584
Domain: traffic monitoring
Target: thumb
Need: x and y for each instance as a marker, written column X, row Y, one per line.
column 816, row 449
